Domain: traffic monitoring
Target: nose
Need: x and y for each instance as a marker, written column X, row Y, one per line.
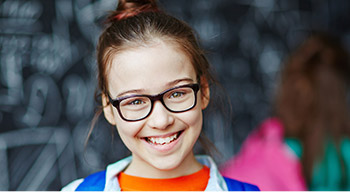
column 160, row 118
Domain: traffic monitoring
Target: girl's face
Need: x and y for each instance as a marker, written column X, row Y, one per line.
column 162, row 142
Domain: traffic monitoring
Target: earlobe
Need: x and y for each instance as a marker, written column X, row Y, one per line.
column 108, row 110
column 205, row 93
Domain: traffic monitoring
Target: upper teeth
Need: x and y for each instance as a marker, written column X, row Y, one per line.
column 162, row 141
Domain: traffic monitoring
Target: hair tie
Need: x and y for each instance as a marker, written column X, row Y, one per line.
column 132, row 8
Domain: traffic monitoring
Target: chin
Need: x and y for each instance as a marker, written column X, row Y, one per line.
column 166, row 164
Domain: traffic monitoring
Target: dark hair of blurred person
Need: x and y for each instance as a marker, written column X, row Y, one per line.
column 312, row 100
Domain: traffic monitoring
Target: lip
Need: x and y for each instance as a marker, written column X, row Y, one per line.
column 165, row 147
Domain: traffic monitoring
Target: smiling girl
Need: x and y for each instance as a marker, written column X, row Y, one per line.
column 154, row 81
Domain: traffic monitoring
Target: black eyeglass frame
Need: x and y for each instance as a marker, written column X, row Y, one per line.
column 154, row 98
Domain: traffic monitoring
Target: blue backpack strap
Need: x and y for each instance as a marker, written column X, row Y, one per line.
column 93, row 182
column 234, row 185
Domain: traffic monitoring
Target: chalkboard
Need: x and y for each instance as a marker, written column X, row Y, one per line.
column 48, row 77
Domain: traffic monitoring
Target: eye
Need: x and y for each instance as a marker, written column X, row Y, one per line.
column 136, row 102
column 177, row 94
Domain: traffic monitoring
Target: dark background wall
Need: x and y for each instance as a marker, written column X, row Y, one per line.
column 47, row 77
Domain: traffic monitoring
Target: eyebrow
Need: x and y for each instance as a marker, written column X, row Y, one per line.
column 170, row 84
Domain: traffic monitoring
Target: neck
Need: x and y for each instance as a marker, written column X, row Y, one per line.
column 141, row 168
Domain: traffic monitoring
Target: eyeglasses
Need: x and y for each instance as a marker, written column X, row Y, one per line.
column 138, row 107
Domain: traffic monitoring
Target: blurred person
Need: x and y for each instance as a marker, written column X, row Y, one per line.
column 154, row 82
column 306, row 146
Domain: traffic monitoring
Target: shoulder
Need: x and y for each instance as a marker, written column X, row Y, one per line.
column 93, row 182
column 100, row 180
column 73, row 185
column 234, row 185
column 345, row 144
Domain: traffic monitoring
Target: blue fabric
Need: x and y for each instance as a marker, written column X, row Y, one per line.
column 94, row 182
column 234, row 185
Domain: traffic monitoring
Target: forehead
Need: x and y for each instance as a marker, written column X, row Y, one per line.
column 148, row 66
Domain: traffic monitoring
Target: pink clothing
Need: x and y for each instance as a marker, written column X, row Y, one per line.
column 266, row 161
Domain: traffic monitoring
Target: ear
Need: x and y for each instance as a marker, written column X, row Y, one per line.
column 108, row 109
column 205, row 92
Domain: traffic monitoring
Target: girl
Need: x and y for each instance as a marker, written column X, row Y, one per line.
column 306, row 146
column 154, row 81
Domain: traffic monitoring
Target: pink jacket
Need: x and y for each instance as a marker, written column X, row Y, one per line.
column 266, row 161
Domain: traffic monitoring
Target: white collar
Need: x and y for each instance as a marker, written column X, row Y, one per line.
column 216, row 181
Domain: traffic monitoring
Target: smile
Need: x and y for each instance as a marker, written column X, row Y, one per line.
column 163, row 140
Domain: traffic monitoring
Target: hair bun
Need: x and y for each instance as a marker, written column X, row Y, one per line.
column 128, row 8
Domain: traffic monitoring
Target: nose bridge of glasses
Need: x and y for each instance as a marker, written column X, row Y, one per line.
column 159, row 114
column 155, row 98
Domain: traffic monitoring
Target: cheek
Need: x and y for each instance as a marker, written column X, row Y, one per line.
column 126, row 129
column 128, row 132
column 193, row 118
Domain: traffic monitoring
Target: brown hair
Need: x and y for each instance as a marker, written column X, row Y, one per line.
column 138, row 22
column 311, row 100
column 134, row 29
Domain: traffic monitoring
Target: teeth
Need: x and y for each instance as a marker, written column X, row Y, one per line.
column 162, row 141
